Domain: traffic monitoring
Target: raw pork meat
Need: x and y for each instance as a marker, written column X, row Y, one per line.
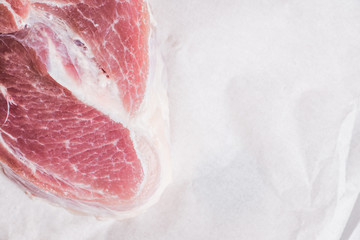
column 13, row 14
column 83, row 109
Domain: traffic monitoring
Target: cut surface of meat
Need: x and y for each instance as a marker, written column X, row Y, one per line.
column 98, row 152
column 13, row 14
column 83, row 109
column 117, row 34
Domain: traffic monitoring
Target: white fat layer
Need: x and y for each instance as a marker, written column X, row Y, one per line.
column 93, row 87
column 149, row 129
column 9, row 101
column 54, row 3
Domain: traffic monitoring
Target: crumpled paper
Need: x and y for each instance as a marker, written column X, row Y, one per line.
column 265, row 129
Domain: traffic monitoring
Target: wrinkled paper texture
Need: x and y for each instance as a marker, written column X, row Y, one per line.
column 265, row 128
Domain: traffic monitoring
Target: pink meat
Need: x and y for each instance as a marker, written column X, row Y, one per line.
column 21, row 7
column 117, row 32
column 80, row 152
column 12, row 15
column 76, row 126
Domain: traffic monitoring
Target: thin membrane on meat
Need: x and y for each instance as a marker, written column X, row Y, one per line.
column 83, row 107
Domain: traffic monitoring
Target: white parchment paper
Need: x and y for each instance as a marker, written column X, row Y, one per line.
column 265, row 129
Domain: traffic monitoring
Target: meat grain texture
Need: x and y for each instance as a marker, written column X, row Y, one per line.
column 83, row 106
column 265, row 129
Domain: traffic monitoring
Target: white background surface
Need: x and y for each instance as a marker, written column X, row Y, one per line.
column 265, row 128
